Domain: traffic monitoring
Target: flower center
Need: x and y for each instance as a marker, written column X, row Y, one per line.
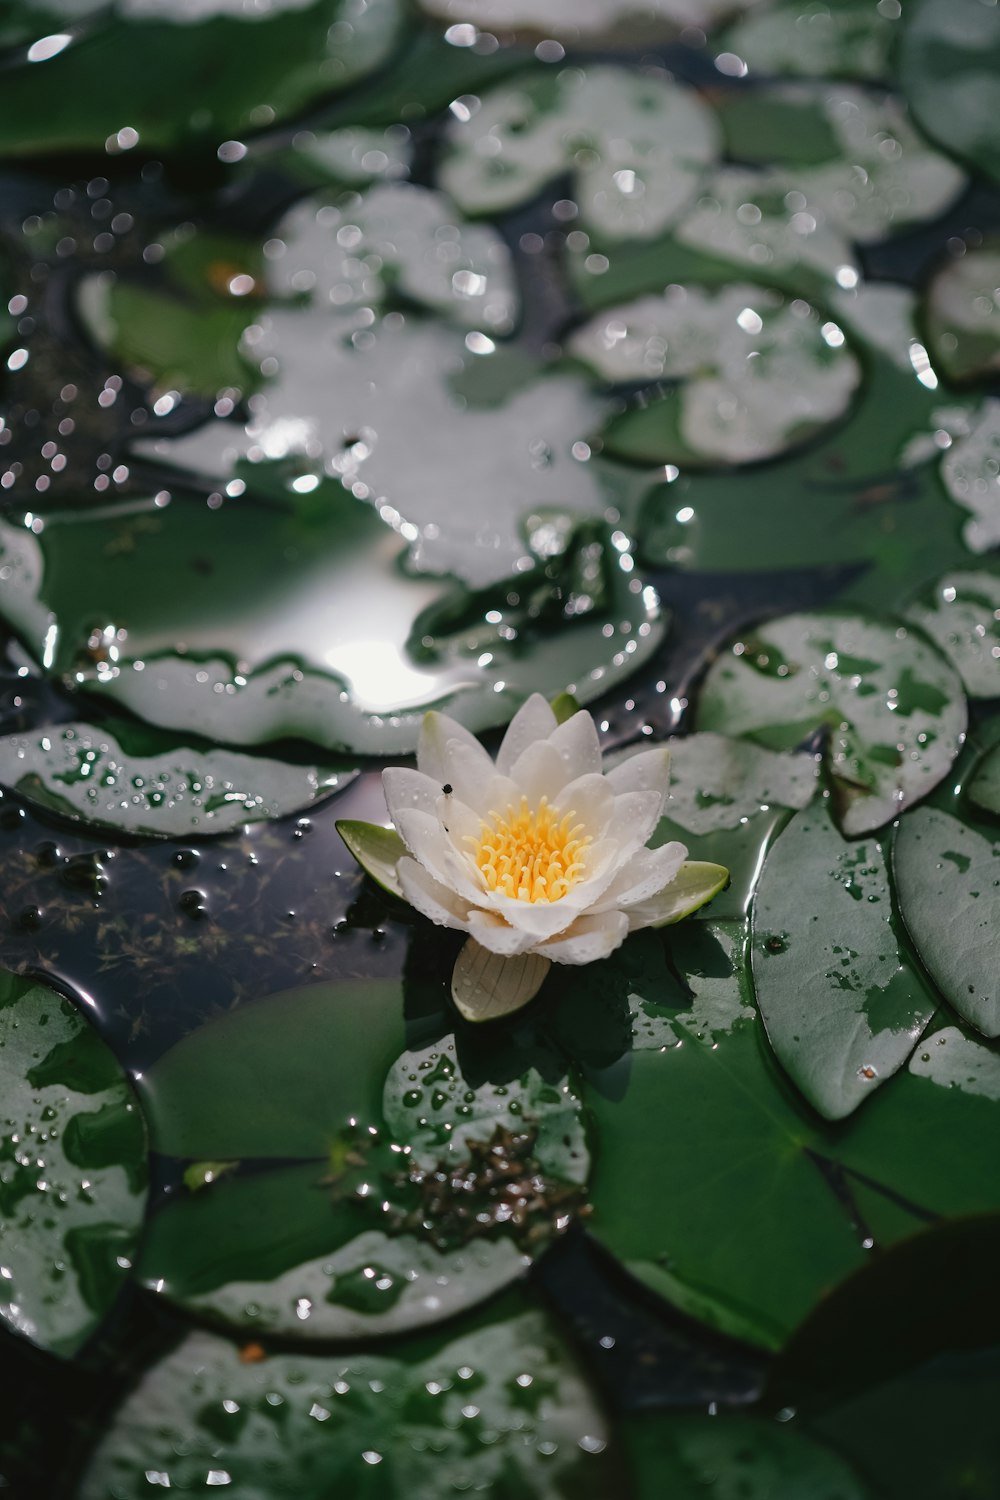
column 532, row 855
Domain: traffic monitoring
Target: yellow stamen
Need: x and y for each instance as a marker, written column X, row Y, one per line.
column 533, row 856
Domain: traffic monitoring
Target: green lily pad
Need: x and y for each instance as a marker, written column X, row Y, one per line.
column 842, row 1003
column 948, row 883
column 894, row 708
column 586, row 21
column 139, row 784
column 984, row 788
column 971, row 473
column 304, row 623
column 237, row 69
column 637, row 147
column 759, row 374
column 761, row 1208
column 356, row 154
column 684, row 1455
column 499, row 1405
column 72, row 1170
column 961, row 612
column 963, row 314
column 949, row 71
column 954, row 1060
column 816, row 39
column 413, row 1205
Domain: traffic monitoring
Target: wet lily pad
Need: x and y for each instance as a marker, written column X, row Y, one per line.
column 842, row 1003
column 586, row 21
column 971, row 473
column 237, row 69
column 139, row 783
column 893, row 706
column 247, row 622
column 430, row 1184
column 637, row 147
column 497, row 1403
column 817, row 39
column 984, row 788
column 962, row 614
column 949, row 61
column 72, row 1170
column 948, row 882
column 963, row 314
column 761, row 1208
column 760, row 374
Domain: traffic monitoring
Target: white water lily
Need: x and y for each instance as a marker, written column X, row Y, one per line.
column 540, row 857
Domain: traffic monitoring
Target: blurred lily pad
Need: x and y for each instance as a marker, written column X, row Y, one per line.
column 971, row 473
column 759, row 374
column 949, row 71
column 72, row 1170
column 816, row 39
column 893, row 706
column 588, row 21
column 963, row 314
column 429, row 1185
column 138, row 782
column 842, row 1003
column 961, row 612
column 497, row 1403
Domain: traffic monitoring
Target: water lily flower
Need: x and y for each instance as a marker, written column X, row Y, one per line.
column 540, row 857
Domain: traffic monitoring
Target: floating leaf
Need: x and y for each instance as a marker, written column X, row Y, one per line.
column 760, row 1207
column 72, row 1170
column 948, row 882
column 246, row 68
column 963, row 314
column 812, row 38
column 428, row 1187
column 961, row 612
column 842, row 1003
column 760, row 374
column 894, row 708
column 971, row 473
column 252, row 622
column 497, row 1404
column 953, row 1060
column 637, row 147
column 950, row 71
column 588, row 21
column 141, row 784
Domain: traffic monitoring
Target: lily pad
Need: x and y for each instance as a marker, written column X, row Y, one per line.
column 963, row 314
column 950, row 71
column 984, row 788
column 238, row 68
column 637, row 147
column 586, row 20
column 817, row 39
column 842, row 1003
column 761, row 1208
column 962, row 614
column 433, row 1180
column 971, row 473
column 893, row 706
column 249, row 622
column 72, row 1170
column 760, row 374
column 140, row 784
column 948, row 882
column 498, row 1403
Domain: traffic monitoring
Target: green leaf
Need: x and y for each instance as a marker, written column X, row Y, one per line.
column 377, row 850
column 950, row 72
column 948, row 883
column 961, row 313
column 813, row 38
column 961, row 613
column 72, row 1170
column 564, row 706
column 841, row 1001
column 87, row 774
column 893, row 707
column 498, row 1405
column 760, row 374
column 969, row 472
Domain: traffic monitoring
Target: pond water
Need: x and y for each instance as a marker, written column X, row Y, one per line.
column 367, row 357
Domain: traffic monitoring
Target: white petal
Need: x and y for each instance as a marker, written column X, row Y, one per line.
column 591, row 937
column 432, row 899
column 492, row 932
column 475, row 781
column 649, row 771
column 426, row 839
column 591, row 800
column 695, row 885
column 485, row 985
column 436, row 731
column 534, row 720
column 634, row 817
column 646, row 872
column 579, row 746
column 538, row 772
column 539, row 919
column 406, row 789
